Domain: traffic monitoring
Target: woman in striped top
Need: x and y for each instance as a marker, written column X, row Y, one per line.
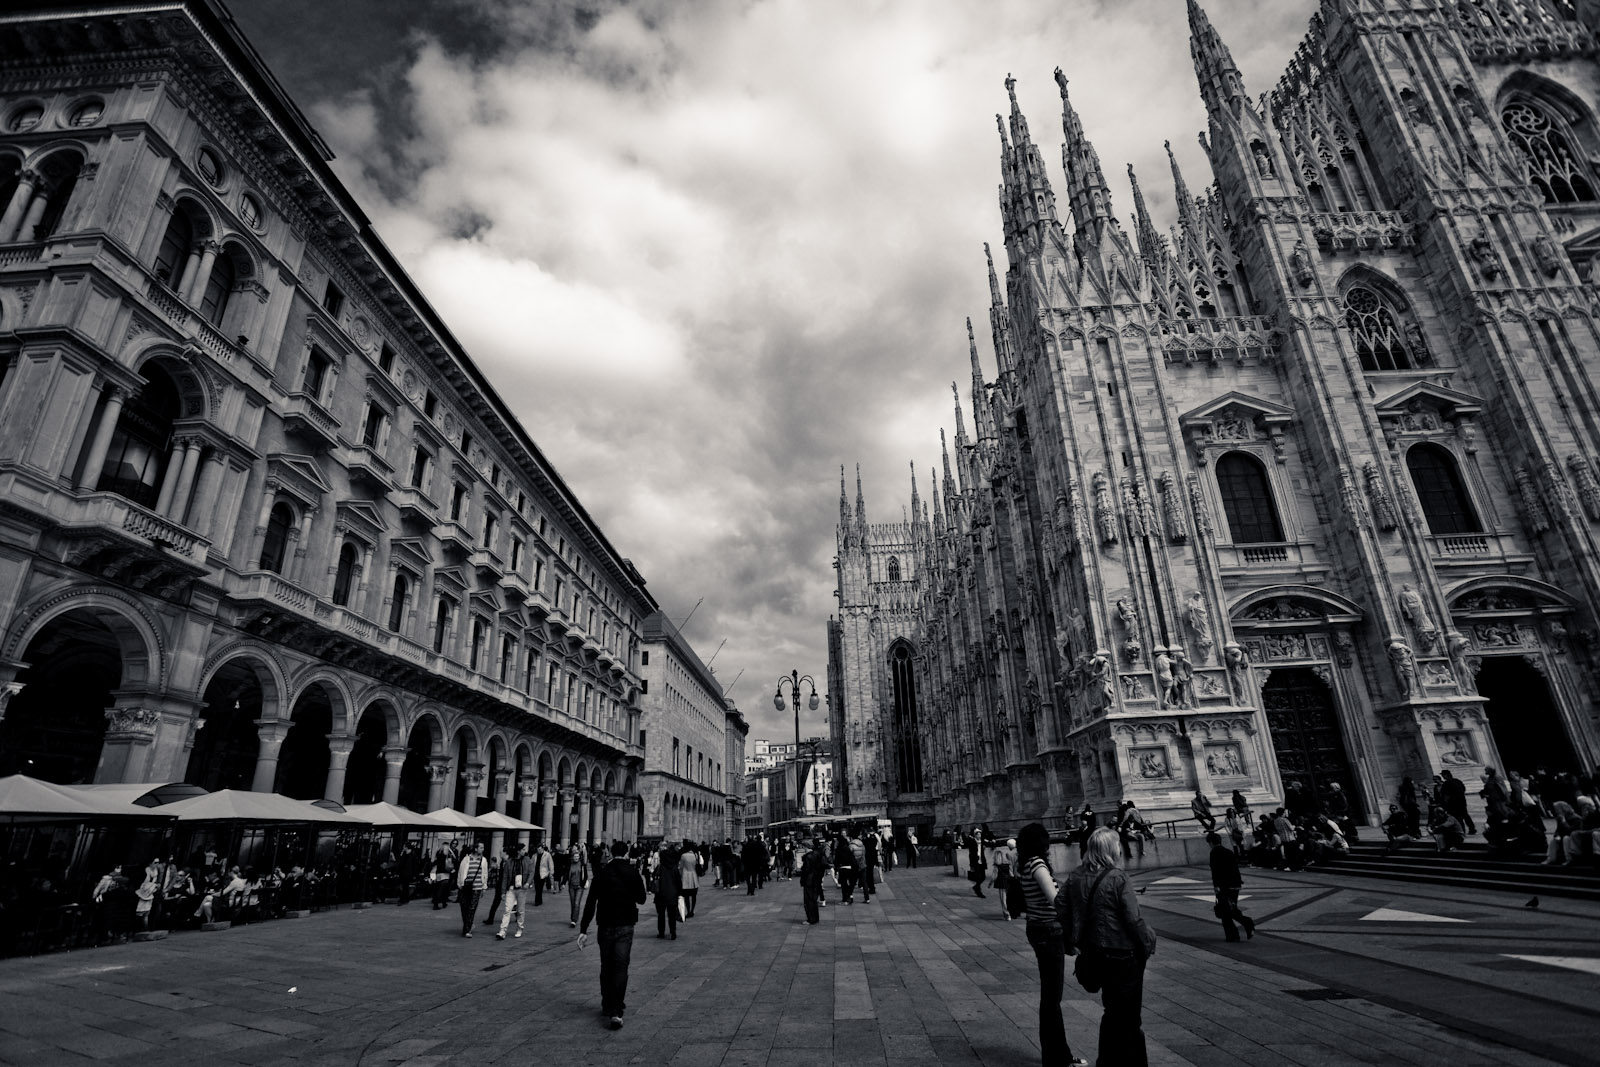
column 1044, row 934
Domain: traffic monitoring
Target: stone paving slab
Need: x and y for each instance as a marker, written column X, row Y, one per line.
column 924, row 974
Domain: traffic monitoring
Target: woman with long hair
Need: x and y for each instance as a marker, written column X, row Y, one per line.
column 1044, row 934
column 1100, row 918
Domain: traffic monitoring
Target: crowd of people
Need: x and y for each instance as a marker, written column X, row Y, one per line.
column 1550, row 814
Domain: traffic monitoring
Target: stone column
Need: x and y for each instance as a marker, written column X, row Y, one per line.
column 180, row 495
column 206, row 500
column 130, row 733
column 339, row 747
column 208, row 259
column 169, row 479
column 472, row 776
column 301, row 536
column 547, row 814
column 583, row 817
column 191, row 268
column 613, row 818
column 270, row 734
column 394, row 760
column 499, row 789
column 438, row 780
column 100, row 447
column 566, row 817
column 35, row 215
column 525, row 810
column 27, row 181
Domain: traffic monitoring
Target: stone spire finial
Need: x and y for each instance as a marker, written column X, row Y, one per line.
column 1220, row 84
column 1087, row 190
column 1143, row 228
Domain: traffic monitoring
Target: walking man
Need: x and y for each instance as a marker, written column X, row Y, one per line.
column 472, row 878
column 1226, row 883
column 613, row 905
column 667, row 885
column 911, row 847
column 516, row 879
column 1455, row 801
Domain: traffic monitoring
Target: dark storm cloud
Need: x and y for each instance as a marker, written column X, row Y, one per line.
column 711, row 251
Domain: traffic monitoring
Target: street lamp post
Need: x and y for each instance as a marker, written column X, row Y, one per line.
column 794, row 679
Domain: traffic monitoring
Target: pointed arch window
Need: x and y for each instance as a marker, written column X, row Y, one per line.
column 894, row 568
column 344, row 576
column 275, row 546
column 1440, row 491
column 1247, row 500
column 1376, row 330
column 1546, row 143
column 908, row 740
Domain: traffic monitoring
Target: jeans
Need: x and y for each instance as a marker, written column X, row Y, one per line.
column 1051, row 953
column 869, row 881
column 616, row 946
column 575, row 891
column 1121, row 1039
column 513, row 900
column 468, row 899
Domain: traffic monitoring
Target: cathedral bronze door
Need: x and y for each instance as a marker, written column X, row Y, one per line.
column 1306, row 735
column 1527, row 727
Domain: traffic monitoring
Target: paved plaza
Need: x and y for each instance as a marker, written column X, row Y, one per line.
column 1343, row 971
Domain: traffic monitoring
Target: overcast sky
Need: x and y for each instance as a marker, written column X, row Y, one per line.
column 709, row 251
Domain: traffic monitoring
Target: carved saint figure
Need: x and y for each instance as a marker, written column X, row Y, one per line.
column 1199, row 619
column 1300, row 263
column 1411, row 607
column 1405, row 667
column 1459, row 754
column 1238, row 661
column 1152, row 764
column 1344, row 648
column 1182, row 678
column 1457, row 646
column 1545, row 255
column 1164, row 686
column 1126, row 612
column 1263, row 160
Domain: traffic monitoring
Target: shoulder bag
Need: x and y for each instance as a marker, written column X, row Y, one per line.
column 1088, row 969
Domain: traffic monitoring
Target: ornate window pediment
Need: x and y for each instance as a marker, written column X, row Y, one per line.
column 361, row 520
column 298, row 477
column 1235, row 419
column 1426, row 408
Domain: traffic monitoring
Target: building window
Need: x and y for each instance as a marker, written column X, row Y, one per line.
column 466, row 445
column 86, row 114
column 677, row 767
column 572, row 693
column 1444, row 499
column 508, row 658
column 344, row 576
column 441, row 625
column 516, row 554
column 908, row 739
column 894, row 568
column 1247, row 500
column 385, row 357
column 137, row 458
column 479, row 634
column 530, row 674
column 1545, row 143
column 550, row 685
column 250, row 212
column 333, row 299
column 280, row 520
column 491, row 525
column 419, row 467
column 316, row 377
column 210, row 166
column 1375, row 331
column 644, row 685
column 397, row 603
column 458, row 502
column 538, row 574
column 430, row 404
column 372, row 425
column 176, row 246
column 219, row 288
column 26, row 118
column 644, row 659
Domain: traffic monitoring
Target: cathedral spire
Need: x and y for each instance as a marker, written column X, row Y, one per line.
column 861, row 509
column 999, row 321
column 1087, row 191
column 933, row 484
column 1027, row 203
column 961, row 426
column 994, row 282
column 844, row 505
column 980, row 393
column 1220, row 84
column 916, row 502
column 1143, row 228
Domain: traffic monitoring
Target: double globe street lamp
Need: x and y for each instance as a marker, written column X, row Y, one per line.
column 794, row 679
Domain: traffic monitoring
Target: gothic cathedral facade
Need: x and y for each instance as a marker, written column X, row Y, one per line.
column 1303, row 493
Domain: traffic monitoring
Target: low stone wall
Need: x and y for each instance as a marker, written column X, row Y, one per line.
column 1163, row 852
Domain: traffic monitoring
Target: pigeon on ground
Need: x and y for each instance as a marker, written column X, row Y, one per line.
column 1141, row 890
column 1534, row 903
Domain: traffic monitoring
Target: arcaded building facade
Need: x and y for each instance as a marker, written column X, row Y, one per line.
column 265, row 525
column 684, row 726
column 1300, row 492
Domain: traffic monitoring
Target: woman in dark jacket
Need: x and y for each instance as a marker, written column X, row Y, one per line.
column 1044, row 934
column 667, row 884
column 1100, row 917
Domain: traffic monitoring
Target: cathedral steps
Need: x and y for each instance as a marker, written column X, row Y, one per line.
column 1470, row 867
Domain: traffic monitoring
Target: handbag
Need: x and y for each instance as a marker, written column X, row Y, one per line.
column 1088, row 969
column 683, row 912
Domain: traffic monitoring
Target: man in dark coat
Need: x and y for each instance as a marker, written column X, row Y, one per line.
column 1455, row 801
column 613, row 904
column 813, row 867
column 406, row 869
column 667, row 883
column 1226, row 883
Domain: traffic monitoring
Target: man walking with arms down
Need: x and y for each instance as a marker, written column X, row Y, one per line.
column 516, row 882
column 613, row 903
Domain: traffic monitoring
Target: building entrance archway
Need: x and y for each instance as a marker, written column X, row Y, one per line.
column 1306, row 736
column 303, row 760
column 55, row 727
column 1527, row 726
column 226, row 740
